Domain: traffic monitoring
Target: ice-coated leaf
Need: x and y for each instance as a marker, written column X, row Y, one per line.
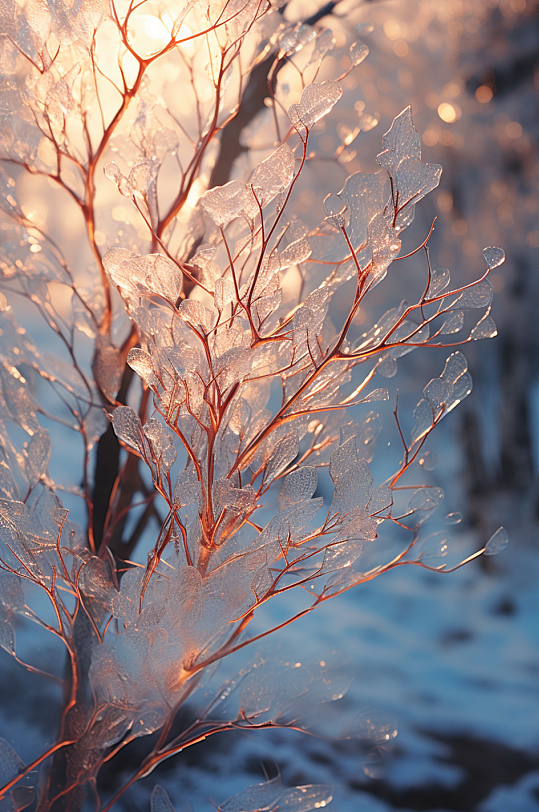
column 400, row 141
column 224, row 203
column 184, row 599
column 497, row 542
column 224, row 292
column 434, row 547
column 298, row 486
column 306, row 798
column 453, row 518
column 257, row 798
column 325, row 42
column 479, row 295
column 160, row 802
column 439, row 280
column 358, row 52
column 38, row 456
column 295, row 40
column 7, row 635
column 493, row 257
column 284, row 452
column 10, row 762
column 107, row 367
column 128, row 428
column 453, row 323
column 376, row 396
column 337, row 211
column 273, row 175
column 485, row 328
column 416, row 179
column 315, row 102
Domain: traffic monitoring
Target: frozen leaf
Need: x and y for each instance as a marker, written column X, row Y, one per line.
column 107, row 367
column 375, row 396
column 434, row 547
column 415, row 179
column 337, row 212
column 428, row 460
column 306, row 798
column 497, row 543
column 315, row 102
column 358, row 52
column 325, row 42
column 439, row 280
column 160, row 802
column 485, row 328
column 7, row 635
column 254, row 799
column 224, row 203
column 184, row 600
column 128, row 428
column 453, row 518
column 400, row 141
column 225, row 292
column 273, row 175
column 141, row 362
column 10, row 762
column 298, row 486
column 38, row 456
column 479, row 295
column 453, row 323
column 282, row 455
column 295, row 40
column 493, row 257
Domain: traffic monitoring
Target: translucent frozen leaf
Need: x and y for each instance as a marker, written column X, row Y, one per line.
column 479, row 295
column 224, row 203
column 257, row 798
column 485, row 328
column 298, row 486
column 295, row 253
column 325, row 42
column 273, row 175
column 497, row 543
column 10, row 762
column 428, row 460
column 375, row 396
column 262, row 581
column 295, row 40
column 453, row 323
column 493, row 257
column 7, row 636
column 315, row 102
column 160, row 802
column 439, row 281
column 184, row 599
column 426, row 499
column 358, row 52
column 453, row 518
column 38, row 455
column 148, row 723
column 128, row 428
column 400, row 141
column 415, row 179
column 225, row 292
column 337, row 211
column 284, row 452
column 387, row 366
column 107, row 367
column 435, row 547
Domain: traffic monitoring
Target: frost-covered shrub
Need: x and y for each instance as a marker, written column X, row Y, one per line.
column 220, row 299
